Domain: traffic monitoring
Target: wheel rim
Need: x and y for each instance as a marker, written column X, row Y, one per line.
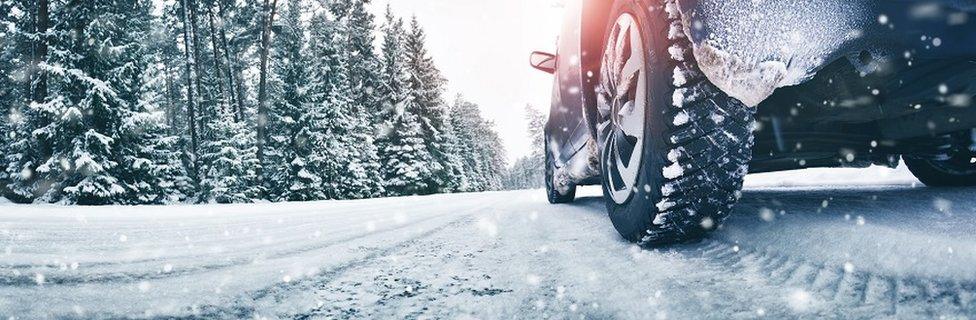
column 621, row 102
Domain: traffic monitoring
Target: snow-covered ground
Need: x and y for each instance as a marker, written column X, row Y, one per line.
column 803, row 244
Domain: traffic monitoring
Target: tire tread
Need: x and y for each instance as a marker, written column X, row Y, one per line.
column 713, row 147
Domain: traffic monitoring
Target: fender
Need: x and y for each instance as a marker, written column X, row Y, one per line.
column 579, row 49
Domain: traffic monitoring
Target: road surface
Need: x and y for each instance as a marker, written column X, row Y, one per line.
column 791, row 250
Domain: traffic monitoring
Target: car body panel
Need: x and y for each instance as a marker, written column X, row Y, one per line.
column 566, row 126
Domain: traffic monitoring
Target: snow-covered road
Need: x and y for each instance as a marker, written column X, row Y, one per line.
column 890, row 248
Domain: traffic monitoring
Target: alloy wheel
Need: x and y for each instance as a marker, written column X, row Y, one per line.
column 621, row 102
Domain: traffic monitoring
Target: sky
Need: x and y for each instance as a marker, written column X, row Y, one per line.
column 482, row 47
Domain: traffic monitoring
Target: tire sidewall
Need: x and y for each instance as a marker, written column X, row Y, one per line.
column 550, row 174
column 932, row 174
column 634, row 217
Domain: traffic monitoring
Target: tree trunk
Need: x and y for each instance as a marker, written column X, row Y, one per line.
column 38, row 92
column 191, row 101
column 203, row 115
column 170, row 101
column 262, row 119
column 218, row 66
column 235, row 87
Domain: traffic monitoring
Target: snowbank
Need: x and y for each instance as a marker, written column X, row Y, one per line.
column 823, row 177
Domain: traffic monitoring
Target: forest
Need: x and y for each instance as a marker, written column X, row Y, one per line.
column 225, row 101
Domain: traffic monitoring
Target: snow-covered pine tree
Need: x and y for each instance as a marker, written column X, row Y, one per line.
column 427, row 102
column 359, row 29
column 529, row 171
column 166, row 65
column 151, row 169
column 405, row 160
column 463, row 129
column 203, row 47
column 79, row 144
column 229, row 163
column 406, row 163
column 270, row 13
column 156, row 148
column 238, row 29
column 17, row 62
column 352, row 162
column 492, row 156
column 481, row 150
column 210, row 93
column 12, row 52
column 294, row 156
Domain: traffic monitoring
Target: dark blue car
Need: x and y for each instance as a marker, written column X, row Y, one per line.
column 668, row 104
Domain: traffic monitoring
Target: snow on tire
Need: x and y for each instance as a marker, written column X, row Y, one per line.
column 696, row 141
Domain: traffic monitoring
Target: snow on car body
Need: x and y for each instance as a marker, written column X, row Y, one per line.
column 726, row 88
column 750, row 48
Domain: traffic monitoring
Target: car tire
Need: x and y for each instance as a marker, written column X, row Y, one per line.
column 695, row 141
column 552, row 192
column 956, row 172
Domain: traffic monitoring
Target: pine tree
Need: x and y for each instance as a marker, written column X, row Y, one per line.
column 363, row 63
column 261, row 121
column 352, row 165
column 238, row 33
column 199, row 48
column 481, row 150
column 150, row 168
column 79, row 144
column 359, row 170
column 190, row 67
column 294, row 157
column 529, row 171
column 406, row 162
column 229, row 163
column 491, row 156
column 17, row 63
column 427, row 102
column 166, row 63
column 12, row 53
column 404, row 158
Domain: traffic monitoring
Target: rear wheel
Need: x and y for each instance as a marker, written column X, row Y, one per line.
column 674, row 147
column 957, row 171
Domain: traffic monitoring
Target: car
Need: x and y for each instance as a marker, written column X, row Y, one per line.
column 669, row 104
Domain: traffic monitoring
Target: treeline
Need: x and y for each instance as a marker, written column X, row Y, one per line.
column 529, row 172
column 228, row 101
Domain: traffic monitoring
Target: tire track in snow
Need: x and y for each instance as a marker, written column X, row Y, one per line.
column 244, row 306
column 17, row 278
column 420, row 282
column 342, row 218
column 472, row 270
column 862, row 292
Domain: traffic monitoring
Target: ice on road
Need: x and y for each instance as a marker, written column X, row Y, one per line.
column 807, row 247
